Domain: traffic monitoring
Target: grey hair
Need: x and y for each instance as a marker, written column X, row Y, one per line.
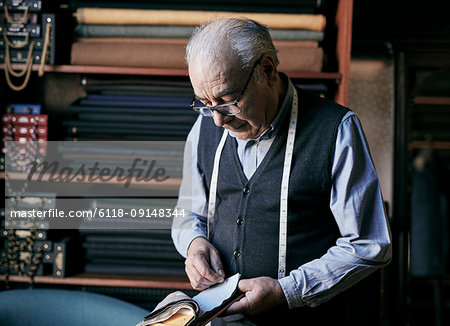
column 246, row 39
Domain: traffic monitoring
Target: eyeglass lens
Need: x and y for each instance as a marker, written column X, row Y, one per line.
column 230, row 109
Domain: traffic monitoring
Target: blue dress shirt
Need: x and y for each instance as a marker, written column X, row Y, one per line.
column 356, row 203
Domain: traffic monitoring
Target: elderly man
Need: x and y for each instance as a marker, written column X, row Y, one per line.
column 280, row 185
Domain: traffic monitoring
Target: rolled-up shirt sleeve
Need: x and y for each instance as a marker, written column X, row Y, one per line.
column 357, row 205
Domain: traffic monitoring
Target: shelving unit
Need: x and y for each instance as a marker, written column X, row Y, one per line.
column 70, row 75
column 341, row 26
column 421, row 129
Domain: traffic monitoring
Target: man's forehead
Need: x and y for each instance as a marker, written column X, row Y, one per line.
column 216, row 80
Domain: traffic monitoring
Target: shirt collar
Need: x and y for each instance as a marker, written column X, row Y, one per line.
column 275, row 125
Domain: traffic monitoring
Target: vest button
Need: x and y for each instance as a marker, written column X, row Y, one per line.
column 239, row 221
column 246, row 190
column 236, row 253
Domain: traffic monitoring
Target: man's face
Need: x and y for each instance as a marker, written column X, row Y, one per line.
column 220, row 83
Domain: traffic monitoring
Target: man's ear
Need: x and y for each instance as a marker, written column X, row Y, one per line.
column 269, row 68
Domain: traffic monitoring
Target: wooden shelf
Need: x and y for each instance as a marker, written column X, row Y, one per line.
column 315, row 75
column 422, row 144
column 105, row 70
column 431, row 100
column 87, row 279
column 157, row 72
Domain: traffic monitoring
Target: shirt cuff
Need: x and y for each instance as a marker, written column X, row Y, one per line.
column 182, row 238
column 292, row 294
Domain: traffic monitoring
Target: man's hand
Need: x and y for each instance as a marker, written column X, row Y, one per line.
column 203, row 265
column 261, row 294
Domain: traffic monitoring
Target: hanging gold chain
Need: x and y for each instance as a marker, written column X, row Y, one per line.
column 18, row 22
column 18, row 45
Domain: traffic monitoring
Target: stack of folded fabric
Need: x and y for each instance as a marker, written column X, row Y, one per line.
column 128, row 231
column 157, row 38
column 115, row 111
column 146, row 252
column 129, row 237
column 131, row 109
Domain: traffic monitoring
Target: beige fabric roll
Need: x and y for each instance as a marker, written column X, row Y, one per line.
column 112, row 16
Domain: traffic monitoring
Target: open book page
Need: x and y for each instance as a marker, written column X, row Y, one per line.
column 215, row 296
column 175, row 304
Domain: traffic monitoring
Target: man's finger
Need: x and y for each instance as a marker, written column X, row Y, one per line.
column 238, row 306
column 217, row 267
column 201, row 274
column 207, row 271
column 245, row 285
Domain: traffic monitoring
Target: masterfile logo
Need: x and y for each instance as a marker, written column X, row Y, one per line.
column 94, row 184
column 95, row 168
column 140, row 170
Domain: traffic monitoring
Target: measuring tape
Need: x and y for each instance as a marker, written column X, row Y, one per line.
column 213, row 187
column 282, row 247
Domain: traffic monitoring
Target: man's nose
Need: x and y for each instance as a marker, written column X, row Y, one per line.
column 221, row 119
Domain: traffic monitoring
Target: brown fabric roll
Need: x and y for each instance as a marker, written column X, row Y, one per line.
column 169, row 53
column 295, row 58
column 130, row 53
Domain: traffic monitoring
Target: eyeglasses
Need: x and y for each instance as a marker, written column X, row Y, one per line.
column 229, row 109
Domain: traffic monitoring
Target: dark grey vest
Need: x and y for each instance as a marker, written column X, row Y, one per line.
column 247, row 211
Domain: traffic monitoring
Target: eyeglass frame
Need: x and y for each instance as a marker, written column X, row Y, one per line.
column 211, row 109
